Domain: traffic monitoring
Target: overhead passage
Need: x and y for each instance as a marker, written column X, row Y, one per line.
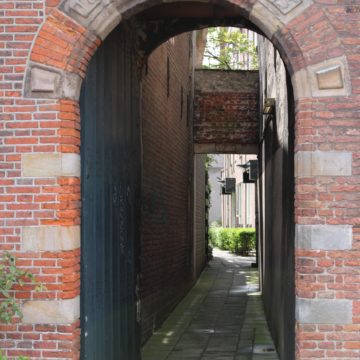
column 226, row 111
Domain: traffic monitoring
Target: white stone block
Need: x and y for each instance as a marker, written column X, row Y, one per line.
column 284, row 10
column 50, row 238
column 323, row 163
column 43, row 80
column 323, row 237
column 55, row 312
column 258, row 13
column 301, row 84
column 330, row 78
column 70, row 164
column 323, row 311
column 96, row 15
column 41, row 165
column 71, row 86
column 50, row 165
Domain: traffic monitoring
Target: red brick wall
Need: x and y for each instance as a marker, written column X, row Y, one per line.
column 329, row 124
column 275, row 198
column 166, row 240
column 35, row 126
column 226, row 107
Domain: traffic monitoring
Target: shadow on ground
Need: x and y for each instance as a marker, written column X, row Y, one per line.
column 221, row 318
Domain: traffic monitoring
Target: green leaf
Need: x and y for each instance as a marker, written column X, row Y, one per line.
column 10, row 275
column 224, row 49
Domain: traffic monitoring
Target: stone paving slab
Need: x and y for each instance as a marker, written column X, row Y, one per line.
column 221, row 318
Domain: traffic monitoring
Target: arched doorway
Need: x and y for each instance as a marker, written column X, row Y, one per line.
column 111, row 207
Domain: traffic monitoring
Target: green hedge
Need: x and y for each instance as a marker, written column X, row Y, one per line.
column 239, row 241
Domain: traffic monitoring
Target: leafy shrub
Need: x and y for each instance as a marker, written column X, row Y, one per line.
column 215, row 223
column 2, row 357
column 11, row 275
column 240, row 241
column 213, row 236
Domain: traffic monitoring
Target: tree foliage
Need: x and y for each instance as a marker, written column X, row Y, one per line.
column 229, row 48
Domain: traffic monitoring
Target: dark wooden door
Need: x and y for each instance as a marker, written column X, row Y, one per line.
column 110, row 202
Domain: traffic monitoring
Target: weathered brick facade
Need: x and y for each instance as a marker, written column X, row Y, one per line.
column 166, row 271
column 199, row 242
column 275, row 190
column 226, row 111
column 45, row 49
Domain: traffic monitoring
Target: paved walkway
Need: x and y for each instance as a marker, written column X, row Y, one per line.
column 221, row 318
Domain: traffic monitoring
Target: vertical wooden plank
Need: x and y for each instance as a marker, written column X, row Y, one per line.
column 111, row 209
column 100, row 206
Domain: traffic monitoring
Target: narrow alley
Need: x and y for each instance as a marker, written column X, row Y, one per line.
column 221, row 318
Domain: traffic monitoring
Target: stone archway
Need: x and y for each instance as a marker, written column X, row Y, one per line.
column 322, row 65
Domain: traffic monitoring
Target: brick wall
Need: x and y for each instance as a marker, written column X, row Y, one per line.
column 225, row 111
column 319, row 43
column 40, row 201
column 166, row 240
column 276, row 192
column 326, row 198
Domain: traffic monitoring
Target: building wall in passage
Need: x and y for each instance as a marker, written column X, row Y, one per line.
column 275, row 193
column 167, row 244
column 225, row 111
column 238, row 208
column 199, row 213
column 214, row 175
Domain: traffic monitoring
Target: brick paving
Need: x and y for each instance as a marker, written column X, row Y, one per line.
column 221, row 318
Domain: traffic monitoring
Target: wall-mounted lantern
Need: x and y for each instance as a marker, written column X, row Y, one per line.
column 227, row 186
column 250, row 171
column 269, row 106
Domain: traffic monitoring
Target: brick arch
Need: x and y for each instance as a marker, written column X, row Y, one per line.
column 73, row 31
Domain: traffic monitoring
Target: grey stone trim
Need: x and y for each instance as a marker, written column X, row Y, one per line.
column 50, row 238
column 323, row 311
column 323, row 237
column 50, row 164
column 99, row 16
column 328, row 78
column 286, row 6
column 301, row 84
column 43, row 80
column 323, row 163
column 258, row 13
column 283, row 10
column 70, row 164
column 102, row 16
column 239, row 81
column 51, row 312
column 48, row 82
column 225, row 148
